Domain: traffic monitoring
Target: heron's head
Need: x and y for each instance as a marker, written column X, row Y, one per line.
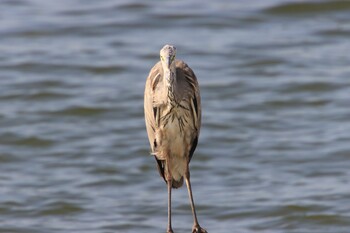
column 167, row 56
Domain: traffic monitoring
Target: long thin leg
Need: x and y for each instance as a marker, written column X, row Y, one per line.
column 196, row 228
column 169, row 228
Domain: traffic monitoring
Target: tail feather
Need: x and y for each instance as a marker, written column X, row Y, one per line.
column 161, row 168
column 177, row 183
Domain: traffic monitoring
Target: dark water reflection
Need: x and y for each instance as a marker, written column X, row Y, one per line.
column 274, row 152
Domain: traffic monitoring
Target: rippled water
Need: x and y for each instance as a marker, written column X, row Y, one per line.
column 274, row 151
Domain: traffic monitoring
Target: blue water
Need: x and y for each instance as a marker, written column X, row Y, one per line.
column 274, row 152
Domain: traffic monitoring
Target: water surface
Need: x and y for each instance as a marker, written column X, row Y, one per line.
column 274, row 152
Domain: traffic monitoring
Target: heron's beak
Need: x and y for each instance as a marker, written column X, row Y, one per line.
column 168, row 61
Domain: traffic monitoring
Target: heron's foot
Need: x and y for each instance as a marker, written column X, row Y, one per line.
column 198, row 229
column 170, row 231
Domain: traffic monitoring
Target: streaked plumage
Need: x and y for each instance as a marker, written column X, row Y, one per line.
column 173, row 119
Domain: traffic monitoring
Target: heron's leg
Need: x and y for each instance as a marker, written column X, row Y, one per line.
column 169, row 180
column 196, row 228
column 169, row 228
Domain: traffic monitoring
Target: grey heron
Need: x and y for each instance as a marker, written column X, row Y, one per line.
column 172, row 108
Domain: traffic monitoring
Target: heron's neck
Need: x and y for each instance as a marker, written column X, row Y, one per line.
column 170, row 77
column 170, row 80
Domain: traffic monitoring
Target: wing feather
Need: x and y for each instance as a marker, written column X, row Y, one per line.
column 194, row 101
column 149, row 108
column 152, row 112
